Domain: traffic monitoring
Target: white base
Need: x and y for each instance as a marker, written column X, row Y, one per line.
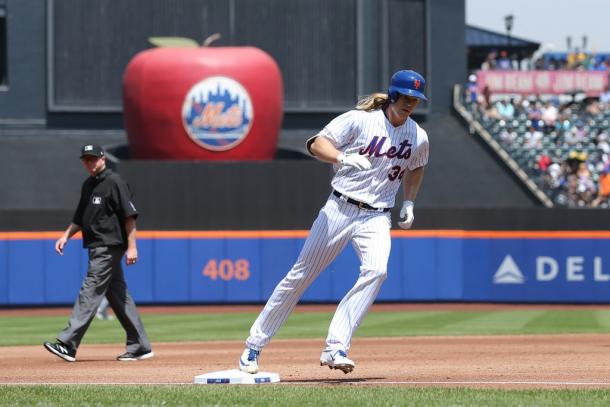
column 235, row 376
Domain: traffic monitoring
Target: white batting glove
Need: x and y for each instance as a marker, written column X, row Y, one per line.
column 406, row 215
column 357, row 161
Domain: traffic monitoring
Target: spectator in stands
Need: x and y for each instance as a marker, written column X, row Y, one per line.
column 586, row 186
column 544, row 161
column 603, row 190
column 570, row 138
column 602, row 141
column 580, row 131
column 577, row 134
column 603, row 163
column 553, row 64
column 554, row 176
column 549, row 115
column 534, row 111
column 568, row 195
column 490, row 62
column 586, row 63
column 508, row 136
column 472, row 94
column 604, row 99
column 524, row 106
column 505, row 109
column 592, row 107
column 580, row 123
column 533, row 138
column 539, row 64
column 504, row 63
column 571, row 60
column 573, row 162
column 601, row 65
column 485, row 100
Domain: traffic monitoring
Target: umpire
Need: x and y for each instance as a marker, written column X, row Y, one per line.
column 107, row 218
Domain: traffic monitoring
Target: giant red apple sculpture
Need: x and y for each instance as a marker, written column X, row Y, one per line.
column 203, row 103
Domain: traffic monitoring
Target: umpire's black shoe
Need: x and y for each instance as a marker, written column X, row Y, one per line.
column 129, row 356
column 61, row 350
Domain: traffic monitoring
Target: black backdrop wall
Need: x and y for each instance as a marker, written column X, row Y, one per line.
column 279, row 195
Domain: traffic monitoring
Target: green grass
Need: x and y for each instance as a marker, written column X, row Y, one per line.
column 286, row 395
column 235, row 326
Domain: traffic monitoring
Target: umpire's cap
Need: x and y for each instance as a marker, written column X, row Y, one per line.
column 408, row 83
column 94, row 150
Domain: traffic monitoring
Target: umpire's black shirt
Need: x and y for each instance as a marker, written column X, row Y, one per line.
column 105, row 202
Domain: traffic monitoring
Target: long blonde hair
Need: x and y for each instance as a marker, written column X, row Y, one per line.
column 373, row 101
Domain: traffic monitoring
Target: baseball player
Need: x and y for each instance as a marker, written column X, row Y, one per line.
column 373, row 148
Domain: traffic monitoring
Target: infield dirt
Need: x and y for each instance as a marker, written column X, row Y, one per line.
column 533, row 361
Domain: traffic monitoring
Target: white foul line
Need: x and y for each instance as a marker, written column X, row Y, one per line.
column 537, row 383
column 334, row 381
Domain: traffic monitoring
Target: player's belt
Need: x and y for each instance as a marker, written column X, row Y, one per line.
column 359, row 204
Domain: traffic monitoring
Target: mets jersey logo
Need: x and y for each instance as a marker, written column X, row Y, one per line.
column 217, row 113
column 96, row 200
column 374, row 149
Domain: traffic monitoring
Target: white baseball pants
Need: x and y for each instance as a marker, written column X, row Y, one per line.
column 337, row 223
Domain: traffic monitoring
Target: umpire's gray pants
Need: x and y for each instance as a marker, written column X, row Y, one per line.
column 105, row 277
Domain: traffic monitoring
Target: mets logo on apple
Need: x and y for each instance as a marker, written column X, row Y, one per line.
column 217, row 113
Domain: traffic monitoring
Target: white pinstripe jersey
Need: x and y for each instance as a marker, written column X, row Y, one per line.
column 390, row 149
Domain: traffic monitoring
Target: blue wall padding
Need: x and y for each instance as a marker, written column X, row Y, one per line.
column 171, row 270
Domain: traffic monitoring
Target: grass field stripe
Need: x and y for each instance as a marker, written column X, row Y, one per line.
column 392, row 321
column 570, row 321
column 603, row 318
column 499, row 322
column 27, row 330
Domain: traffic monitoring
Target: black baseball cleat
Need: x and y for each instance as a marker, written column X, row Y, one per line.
column 61, row 350
column 129, row 356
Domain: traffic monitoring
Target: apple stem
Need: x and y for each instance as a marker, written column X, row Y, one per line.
column 211, row 39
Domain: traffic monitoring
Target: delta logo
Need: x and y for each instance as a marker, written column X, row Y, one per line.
column 545, row 269
column 217, row 113
column 508, row 272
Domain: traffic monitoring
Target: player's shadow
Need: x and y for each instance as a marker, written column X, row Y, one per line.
column 335, row 381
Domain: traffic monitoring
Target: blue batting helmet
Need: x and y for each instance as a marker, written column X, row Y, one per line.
column 408, row 83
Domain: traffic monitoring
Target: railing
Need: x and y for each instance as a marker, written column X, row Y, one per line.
column 476, row 127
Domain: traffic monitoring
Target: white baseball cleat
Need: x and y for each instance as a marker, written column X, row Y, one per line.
column 248, row 362
column 337, row 359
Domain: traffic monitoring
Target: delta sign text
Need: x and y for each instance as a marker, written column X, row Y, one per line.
column 542, row 270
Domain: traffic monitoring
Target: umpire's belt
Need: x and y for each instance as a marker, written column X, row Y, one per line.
column 359, row 204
